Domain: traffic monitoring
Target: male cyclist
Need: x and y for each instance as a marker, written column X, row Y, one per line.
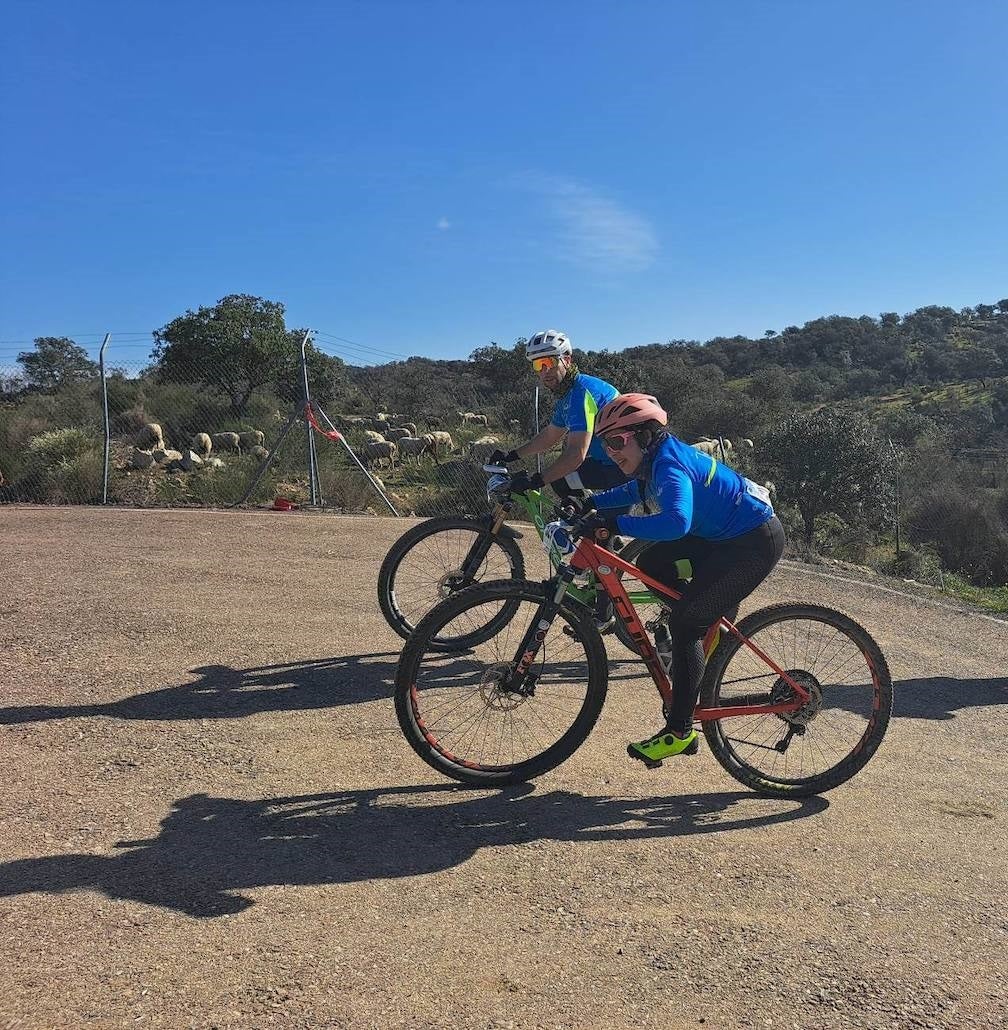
column 583, row 462
column 714, row 528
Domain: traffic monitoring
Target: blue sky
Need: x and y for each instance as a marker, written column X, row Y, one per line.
column 424, row 177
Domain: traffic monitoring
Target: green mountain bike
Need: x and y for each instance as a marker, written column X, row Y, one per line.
column 437, row 558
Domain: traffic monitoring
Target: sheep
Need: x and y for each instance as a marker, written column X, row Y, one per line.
column 411, row 426
column 481, row 449
column 442, row 441
column 260, row 452
column 399, row 434
column 226, row 442
column 164, row 455
column 713, row 448
column 149, row 437
column 202, row 445
column 416, row 447
column 471, row 418
column 746, row 442
column 253, row 438
column 374, row 453
column 373, row 436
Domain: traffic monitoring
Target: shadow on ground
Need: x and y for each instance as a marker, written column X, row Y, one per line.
column 221, row 692
column 210, row 848
column 940, row 697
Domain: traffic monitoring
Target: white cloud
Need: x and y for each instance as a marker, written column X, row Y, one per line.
column 443, row 224
column 593, row 230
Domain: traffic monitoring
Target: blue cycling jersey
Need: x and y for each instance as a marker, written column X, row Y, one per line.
column 688, row 492
column 575, row 411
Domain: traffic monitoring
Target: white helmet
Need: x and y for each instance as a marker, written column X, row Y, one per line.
column 550, row 343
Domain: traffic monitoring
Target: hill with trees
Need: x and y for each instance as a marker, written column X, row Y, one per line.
column 882, row 434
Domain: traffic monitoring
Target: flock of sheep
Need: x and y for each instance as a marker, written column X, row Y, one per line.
column 389, row 437
column 149, row 449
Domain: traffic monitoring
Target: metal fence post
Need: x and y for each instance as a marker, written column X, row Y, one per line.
column 108, row 435
column 306, row 397
column 896, row 507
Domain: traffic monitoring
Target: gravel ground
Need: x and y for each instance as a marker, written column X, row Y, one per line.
column 210, row 818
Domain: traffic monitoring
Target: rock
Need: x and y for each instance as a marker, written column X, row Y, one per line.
column 141, row 459
column 190, row 460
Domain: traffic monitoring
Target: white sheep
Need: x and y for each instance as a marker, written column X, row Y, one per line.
column 202, row 445
column 442, row 442
column 374, row 453
column 373, row 436
column 252, row 438
column 415, row 447
column 149, row 436
column 481, row 449
column 226, row 441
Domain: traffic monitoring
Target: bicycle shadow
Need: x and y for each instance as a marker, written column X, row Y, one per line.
column 222, row 692
column 941, row 697
column 210, row 849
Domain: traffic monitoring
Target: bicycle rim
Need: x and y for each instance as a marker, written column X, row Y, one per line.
column 455, row 713
column 424, row 567
column 833, row 735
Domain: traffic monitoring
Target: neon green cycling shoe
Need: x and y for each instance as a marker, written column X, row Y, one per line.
column 665, row 745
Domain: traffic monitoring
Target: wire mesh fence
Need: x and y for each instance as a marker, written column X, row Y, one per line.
column 201, row 434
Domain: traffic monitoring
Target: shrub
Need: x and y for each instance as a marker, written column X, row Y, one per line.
column 62, row 466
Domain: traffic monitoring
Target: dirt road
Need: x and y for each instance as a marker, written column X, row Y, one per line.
column 210, row 818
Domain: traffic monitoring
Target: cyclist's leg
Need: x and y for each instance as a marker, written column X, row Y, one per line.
column 730, row 572
column 724, row 573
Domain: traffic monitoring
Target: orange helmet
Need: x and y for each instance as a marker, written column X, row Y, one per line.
column 629, row 410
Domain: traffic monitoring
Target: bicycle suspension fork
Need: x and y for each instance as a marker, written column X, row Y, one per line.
column 482, row 544
column 522, row 680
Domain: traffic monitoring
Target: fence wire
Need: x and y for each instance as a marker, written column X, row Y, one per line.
column 182, row 442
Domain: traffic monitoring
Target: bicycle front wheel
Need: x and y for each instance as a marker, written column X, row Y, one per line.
column 425, row 565
column 456, row 710
column 822, row 744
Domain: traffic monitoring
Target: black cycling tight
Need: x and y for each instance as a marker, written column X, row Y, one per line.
column 724, row 573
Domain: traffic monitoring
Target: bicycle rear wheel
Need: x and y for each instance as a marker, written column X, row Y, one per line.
column 833, row 735
column 424, row 566
column 455, row 710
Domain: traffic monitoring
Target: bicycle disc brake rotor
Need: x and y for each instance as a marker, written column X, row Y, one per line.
column 491, row 687
column 781, row 693
column 450, row 582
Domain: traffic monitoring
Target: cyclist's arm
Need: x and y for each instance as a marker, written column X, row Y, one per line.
column 572, row 457
column 542, row 441
column 675, row 498
column 621, row 496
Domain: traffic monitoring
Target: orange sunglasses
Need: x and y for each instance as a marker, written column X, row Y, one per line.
column 538, row 364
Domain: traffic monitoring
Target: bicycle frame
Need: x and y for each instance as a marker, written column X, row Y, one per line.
column 589, row 557
column 532, row 504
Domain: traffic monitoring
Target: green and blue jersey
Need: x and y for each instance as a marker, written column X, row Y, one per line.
column 575, row 411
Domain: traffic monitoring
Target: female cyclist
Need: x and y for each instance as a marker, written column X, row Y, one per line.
column 718, row 539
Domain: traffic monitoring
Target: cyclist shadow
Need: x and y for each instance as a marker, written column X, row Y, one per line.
column 941, row 697
column 222, row 692
column 210, row 849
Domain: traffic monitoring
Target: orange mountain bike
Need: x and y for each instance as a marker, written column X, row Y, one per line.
column 794, row 699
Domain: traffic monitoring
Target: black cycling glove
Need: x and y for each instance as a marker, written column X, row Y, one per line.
column 522, row 482
column 499, row 457
column 599, row 520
